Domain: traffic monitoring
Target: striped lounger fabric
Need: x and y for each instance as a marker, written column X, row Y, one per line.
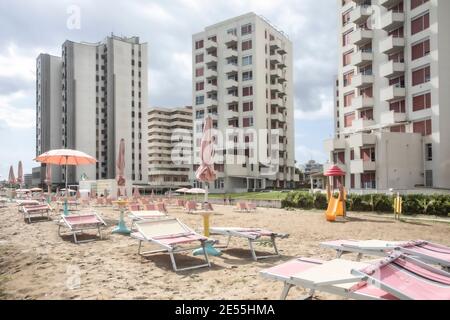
column 40, row 209
column 78, row 223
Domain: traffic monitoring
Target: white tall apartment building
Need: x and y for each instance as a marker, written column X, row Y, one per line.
column 104, row 99
column 243, row 78
column 48, row 110
column 169, row 148
column 392, row 113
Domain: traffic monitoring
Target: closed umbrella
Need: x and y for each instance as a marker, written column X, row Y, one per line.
column 11, row 178
column 120, row 166
column 20, row 173
column 136, row 193
column 48, row 181
column 66, row 157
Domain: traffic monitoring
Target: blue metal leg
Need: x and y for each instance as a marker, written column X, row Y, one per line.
column 121, row 227
column 210, row 250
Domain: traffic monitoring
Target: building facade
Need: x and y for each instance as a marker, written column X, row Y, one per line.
column 48, row 108
column 392, row 109
column 102, row 92
column 169, row 148
column 243, row 78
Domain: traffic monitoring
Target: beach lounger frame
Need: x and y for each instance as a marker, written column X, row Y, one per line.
column 383, row 251
column 171, row 249
column 240, row 233
column 135, row 216
column 75, row 229
column 41, row 209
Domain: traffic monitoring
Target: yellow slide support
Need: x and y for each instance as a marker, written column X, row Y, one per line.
column 335, row 209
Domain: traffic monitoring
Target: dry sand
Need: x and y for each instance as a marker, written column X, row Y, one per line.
column 35, row 263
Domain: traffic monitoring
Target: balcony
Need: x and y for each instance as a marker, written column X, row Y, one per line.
column 210, row 45
column 231, row 114
column 231, row 39
column 275, row 58
column 210, row 59
column 276, row 102
column 236, row 170
column 389, row 3
column 278, row 117
column 392, row 20
column 392, row 69
column 392, row 93
column 334, row 144
column 361, row 58
column 230, row 53
column 210, row 74
column 230, row 68
column 230, row 83
column 391, row 117
column 279, row 132
column 276, row 87
column 282, row 50
column 362, row 80
column 362, row 124
column 276, row 73
column 361, row 36
column 229, row 98
column 211, row 102
column 358, row 140
column 361, row 166
column 275, row 44
column 209, row 87
column 281, row 176
column 360, row 14
column 362, row 102
column 392, row 44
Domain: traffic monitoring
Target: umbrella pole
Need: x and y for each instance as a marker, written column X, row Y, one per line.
column 66, row 208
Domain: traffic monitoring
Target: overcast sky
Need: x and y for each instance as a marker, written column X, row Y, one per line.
column 28, row 28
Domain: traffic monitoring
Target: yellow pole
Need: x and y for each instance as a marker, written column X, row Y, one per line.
column 206, row 224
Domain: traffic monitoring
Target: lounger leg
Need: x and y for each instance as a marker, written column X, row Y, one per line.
column 172, row 258
column 250, row 243
column 139, row 249
column 206, row 254
column 308, row 296
column 339, row 254
column 287, row 287
column 100, row 233
column 359, row 257
column 275, row 246
column 75, row 237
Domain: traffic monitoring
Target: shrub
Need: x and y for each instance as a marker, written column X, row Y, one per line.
column 320, row 201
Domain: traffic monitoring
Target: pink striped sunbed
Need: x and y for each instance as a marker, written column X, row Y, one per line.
column 394, row 278
column 423, row 250
column 172, row 235
column 40, row 209
column 253, row 235
column 78, row 223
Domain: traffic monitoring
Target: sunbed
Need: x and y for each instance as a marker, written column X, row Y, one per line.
column 77, row 223
column 396, row 277
column 40, row 209
column 171, row 235
column 245, row 207
column 253, row 235
column 22, row 203
column 423, row 250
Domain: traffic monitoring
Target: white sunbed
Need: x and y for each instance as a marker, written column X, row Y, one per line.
column 253, row 235
column 396, row 277
column 145, row 215
column 77, row 223
column 172, row 235
column 423, row 250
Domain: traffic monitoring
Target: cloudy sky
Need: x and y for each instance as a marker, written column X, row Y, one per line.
column 28, row 28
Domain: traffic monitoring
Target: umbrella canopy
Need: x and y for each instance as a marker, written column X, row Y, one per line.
column 23, row 190
column 69, row 190
column 64, row 157
column 11, row 178
column 196, row 191
column 20, row 173
column 36, row 190
column 182, row 190
column 334, row 171
column 206, row 172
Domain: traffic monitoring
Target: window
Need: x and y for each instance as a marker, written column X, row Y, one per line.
column 247, row 122
column 247, row 60
column 347, row 58
column 398, row 129
column 420, row 76
column 199, row 58
column 423, row 127
column 346, row 38
column 246, row 45
column 199, row 100
column 429, row 152
column 232, row 31
column 352, row 181
column 398, row 106
column 348, row 119
column 416, row 3
column 420, row 49
column 352, row 154
column 247, row 91
column 429, row 178
column 247, row 76
column 199, row 44
column 199, row 86
column 346, row 18
column 246, row 29
column 199, row 72
column 348, row 78
column 421, row 102
column 421, row 23
column 366, row 114
column 247, row 106
column 348, row 99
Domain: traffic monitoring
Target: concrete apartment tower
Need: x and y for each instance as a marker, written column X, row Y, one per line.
column 169, row 148
column 394, row 79
column 104, row 99
column 243, row 78
column 48, row 111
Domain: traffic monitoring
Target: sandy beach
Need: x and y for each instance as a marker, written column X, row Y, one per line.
column 36, row 263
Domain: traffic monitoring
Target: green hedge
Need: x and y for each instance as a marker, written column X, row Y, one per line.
column 438, row 205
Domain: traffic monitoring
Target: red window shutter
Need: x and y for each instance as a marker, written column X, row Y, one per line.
column 416, row 25
column 341, row 157
column 348, row 119
column 352, row 154
column 418, row 77
column 426, row 47
column 418, row 103
column 426, row 21
column 417, row 51
column 427, row 74
column 428, row 127
column 419, row 127
column 428, row 100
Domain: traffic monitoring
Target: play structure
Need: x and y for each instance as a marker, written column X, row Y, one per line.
column 398, row 206
column 336, row 206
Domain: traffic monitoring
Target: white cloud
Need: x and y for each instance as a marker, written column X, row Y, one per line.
column 325, row 111
column 12, row 115
column 17, row 64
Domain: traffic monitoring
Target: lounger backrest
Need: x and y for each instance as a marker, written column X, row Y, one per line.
column 161, row 207
column 161, row 228
column 134, row 207
column 150, row 207
column 191, row 205
column 242, row 206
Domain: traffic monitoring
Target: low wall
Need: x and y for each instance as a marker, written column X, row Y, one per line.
column 259, row 203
